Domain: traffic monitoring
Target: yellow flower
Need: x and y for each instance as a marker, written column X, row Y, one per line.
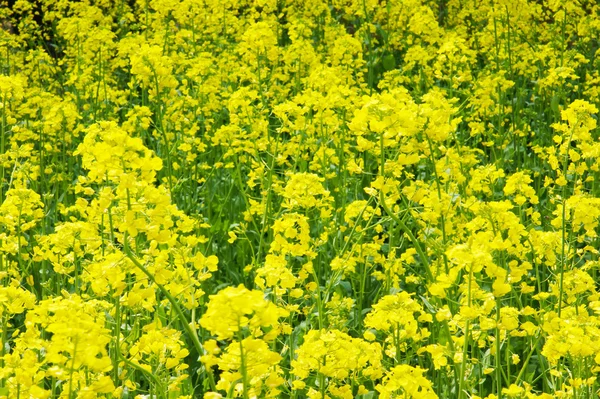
column 232, row 237
column 337, row 355
column 305, row 191
column 235, row 308
column 406, row 381
column 513, row 391
column 395, row 315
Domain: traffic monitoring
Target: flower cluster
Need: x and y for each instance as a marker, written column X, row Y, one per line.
column 299, row 199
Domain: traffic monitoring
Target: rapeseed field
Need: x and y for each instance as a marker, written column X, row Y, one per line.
column 323, row 199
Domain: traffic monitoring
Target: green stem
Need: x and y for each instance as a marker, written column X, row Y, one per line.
column 187, row 327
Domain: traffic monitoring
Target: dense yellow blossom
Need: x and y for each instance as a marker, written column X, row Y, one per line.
column 344, row 199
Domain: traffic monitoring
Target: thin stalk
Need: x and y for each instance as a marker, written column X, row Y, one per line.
column 178, row 311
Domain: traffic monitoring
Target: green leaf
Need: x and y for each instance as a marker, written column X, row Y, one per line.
column 389, row 62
